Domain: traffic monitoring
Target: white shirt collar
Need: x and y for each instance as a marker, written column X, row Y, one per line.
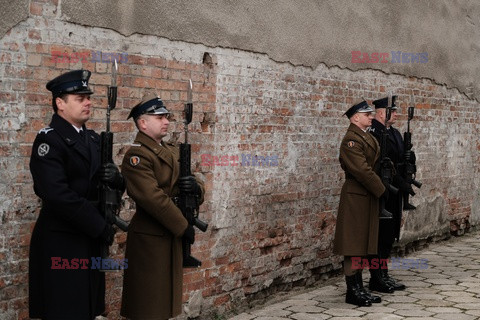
column 78, row 129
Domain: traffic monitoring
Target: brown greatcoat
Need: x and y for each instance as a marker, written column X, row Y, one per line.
column 152, row 284
column 356, row 232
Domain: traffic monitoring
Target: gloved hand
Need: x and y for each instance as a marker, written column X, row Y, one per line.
column 110, row 175
column 189, row 234
column 188, row 185
column 108, row 234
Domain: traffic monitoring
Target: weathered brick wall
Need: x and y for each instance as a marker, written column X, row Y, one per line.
column 271, row 225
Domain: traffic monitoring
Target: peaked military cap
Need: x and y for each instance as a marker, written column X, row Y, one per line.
column 152, row 106
column 358, row 107
column 382, row 103
column 72, row 82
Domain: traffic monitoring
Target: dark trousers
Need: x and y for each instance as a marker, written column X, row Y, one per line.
column 386, row 238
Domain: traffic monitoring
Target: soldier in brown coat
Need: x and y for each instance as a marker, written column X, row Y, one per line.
column 152, row 286
column 356, row 232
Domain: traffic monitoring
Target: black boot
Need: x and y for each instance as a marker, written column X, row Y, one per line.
column 366, row 293
column 355, row 294
column 377, row 283
column 391, row 281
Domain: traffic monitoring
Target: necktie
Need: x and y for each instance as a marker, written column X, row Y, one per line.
column 82, row 134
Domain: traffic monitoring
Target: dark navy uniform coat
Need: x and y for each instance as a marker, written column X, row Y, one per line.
column 395, row 152
column 64, row 169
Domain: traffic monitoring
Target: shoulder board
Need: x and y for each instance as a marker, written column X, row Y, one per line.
column 45, row 130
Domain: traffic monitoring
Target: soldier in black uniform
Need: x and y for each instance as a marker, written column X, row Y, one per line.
column 66, row 170
column 389, row 229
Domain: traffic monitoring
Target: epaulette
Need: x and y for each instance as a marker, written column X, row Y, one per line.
column 45, row 130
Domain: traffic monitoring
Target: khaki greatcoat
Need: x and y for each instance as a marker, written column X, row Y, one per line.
column 356, row 232
column 152, row 286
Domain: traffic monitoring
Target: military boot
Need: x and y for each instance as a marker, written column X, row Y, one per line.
column 377, row 283
column 355, row 294
column 366, row 293
column 391, row 281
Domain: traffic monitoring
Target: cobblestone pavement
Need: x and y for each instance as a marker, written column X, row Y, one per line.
column 448, row 289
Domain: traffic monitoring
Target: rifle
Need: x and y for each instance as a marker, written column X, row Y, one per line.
column 187, row 202
column 386, row 165
column 410, row 168
column 110, row 198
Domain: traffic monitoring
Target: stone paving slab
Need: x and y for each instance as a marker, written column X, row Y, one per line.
column 449, row 289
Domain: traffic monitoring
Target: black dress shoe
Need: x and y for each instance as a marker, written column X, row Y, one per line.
column 397, row 286
column 377, row 282
column 355, row 294
column 366, row 293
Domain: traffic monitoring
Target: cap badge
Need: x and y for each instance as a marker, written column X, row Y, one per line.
column 134, row 160
column 43, row 149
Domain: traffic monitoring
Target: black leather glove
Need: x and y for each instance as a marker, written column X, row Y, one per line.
column 189, row 234
column 188, row 185
column 110, row 175
column 108, row 234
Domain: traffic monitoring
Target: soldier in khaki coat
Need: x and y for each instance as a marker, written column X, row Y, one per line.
column 356, row 232
column 152, row 286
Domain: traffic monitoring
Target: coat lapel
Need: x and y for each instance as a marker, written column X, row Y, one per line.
column 70, row 136
column 397, row 138
column 174, row 154
column 93, row 143
column 369, row 139
column 159, row 150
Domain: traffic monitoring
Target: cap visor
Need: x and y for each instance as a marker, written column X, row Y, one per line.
column 84, row 91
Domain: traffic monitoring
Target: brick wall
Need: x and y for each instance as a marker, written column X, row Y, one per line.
column 271, row 225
